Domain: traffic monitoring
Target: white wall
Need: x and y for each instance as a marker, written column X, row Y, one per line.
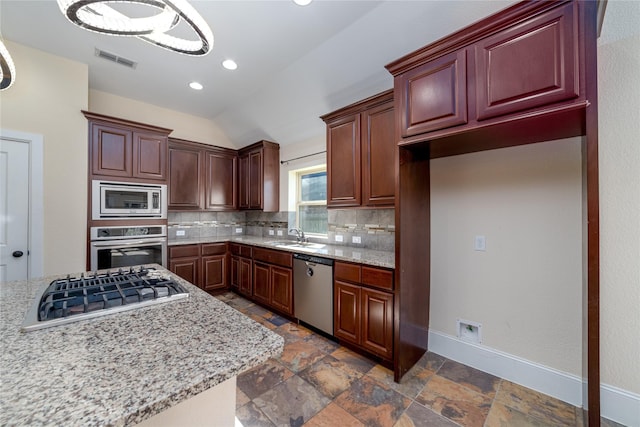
column 310, row 146
column 526, row 288
column 46, row 99
column 185, row 126
column 619, row 163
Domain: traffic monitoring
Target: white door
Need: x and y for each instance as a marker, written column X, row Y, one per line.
column 14, row 210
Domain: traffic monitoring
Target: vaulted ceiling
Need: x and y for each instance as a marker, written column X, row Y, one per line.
column 295, row 63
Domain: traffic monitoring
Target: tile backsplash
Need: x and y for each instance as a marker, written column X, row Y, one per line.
column 374, row 228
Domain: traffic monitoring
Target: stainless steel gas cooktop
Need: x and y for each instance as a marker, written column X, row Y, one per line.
column 72, row 299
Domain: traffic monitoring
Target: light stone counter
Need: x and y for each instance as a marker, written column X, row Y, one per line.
column 123, row 368
column 341, row 253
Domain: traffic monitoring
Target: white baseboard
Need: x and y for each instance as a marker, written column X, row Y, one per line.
column 616, row 404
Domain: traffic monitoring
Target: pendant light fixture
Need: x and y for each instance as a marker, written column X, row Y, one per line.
column 7, row 69
column 99, row 16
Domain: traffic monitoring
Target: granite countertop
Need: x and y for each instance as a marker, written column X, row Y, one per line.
column 122, row 368
column 342, row 253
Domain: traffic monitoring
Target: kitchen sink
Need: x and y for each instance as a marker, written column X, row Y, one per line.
column 298, row 246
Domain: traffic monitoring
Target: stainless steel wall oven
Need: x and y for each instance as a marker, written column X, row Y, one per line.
column 113, row 247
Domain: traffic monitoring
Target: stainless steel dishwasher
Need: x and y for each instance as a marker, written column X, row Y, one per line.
column 313, row 291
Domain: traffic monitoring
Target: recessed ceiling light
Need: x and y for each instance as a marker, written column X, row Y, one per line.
column 302, row 2
column 195, row 85
column 229, row 64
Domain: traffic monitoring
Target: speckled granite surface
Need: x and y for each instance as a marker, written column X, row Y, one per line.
column 120, row 369
column 342, row 253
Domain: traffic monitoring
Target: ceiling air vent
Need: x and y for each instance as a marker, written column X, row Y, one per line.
column 115, row 58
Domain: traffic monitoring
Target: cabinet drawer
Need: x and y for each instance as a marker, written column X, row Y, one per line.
column 347, row 272
column 377, row 277
column 284, row 259
column 214, row 249
column 184, row 251
column 240, row 250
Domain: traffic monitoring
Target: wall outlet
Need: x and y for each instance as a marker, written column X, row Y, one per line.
column 280, row 233
column 356, row 239
column 469, row 331
column 238, row 230
column 180, row 232
column 480, row 243
column 272, row 233
column 339, row 238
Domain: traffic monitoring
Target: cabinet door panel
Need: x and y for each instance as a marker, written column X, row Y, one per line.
column 282, row 289
column 343, row 162
column 246, row 276
column 435, row 95
column 243, row 182
column 220, row 182
column 378, row 151
column 261, row 283
column 527, row 66
column 347, row 312
column 184, row 178
column 149, row 156
column 187, row 268
column 255, row 180
column 377, row 326
column 214, row 272
column 111, row 151
column 235, row 273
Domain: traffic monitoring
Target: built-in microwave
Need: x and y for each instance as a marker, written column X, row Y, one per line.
column 122, row 200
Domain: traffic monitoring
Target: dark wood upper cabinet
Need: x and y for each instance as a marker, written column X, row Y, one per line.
column 343, row 162
column 220, row 181
column 201, row 177
column 185, row 176
column 149, row 156
column 528, row 65
column 259, row 177
column 360, row 153
column 511, row 79
column 378, row 150
column 125, row 150
column 434, row 95
column 111, row 151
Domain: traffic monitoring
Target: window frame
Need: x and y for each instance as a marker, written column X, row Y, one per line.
column 299, row 202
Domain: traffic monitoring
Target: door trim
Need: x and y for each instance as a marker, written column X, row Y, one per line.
column 36, row 197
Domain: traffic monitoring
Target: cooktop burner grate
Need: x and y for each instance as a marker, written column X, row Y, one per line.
column 70, row 299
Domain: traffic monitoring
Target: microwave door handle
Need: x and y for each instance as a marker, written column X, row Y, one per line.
column 118, row 243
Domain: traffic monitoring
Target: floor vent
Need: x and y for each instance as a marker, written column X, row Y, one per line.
column 115, row 58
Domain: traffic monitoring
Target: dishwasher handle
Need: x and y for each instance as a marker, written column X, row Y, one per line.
column 313, row 259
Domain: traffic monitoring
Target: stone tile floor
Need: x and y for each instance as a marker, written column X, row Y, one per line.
column 318, row 383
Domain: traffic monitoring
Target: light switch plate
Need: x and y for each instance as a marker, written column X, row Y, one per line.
column 238, row 230
column 280, row 233
column 339, row 238
column 180, row 232
column 480, row 243
column 356, row 239
column 271, row 233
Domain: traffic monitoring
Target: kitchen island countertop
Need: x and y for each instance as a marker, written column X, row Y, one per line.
column 341, row 253
column 122, row 368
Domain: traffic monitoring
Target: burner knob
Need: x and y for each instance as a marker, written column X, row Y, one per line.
column 17, row 254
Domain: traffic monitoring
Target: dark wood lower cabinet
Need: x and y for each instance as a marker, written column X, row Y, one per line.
column 347, row 312
column 214, row 272
column 261, row 283
column 282, row 289
column 187, row 268
column 377, row 322
column 362, row 315
column 205, row 266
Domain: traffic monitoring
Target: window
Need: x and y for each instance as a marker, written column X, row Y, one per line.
column 311, row 202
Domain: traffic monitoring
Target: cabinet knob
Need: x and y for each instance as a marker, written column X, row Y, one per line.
column 17, row 254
